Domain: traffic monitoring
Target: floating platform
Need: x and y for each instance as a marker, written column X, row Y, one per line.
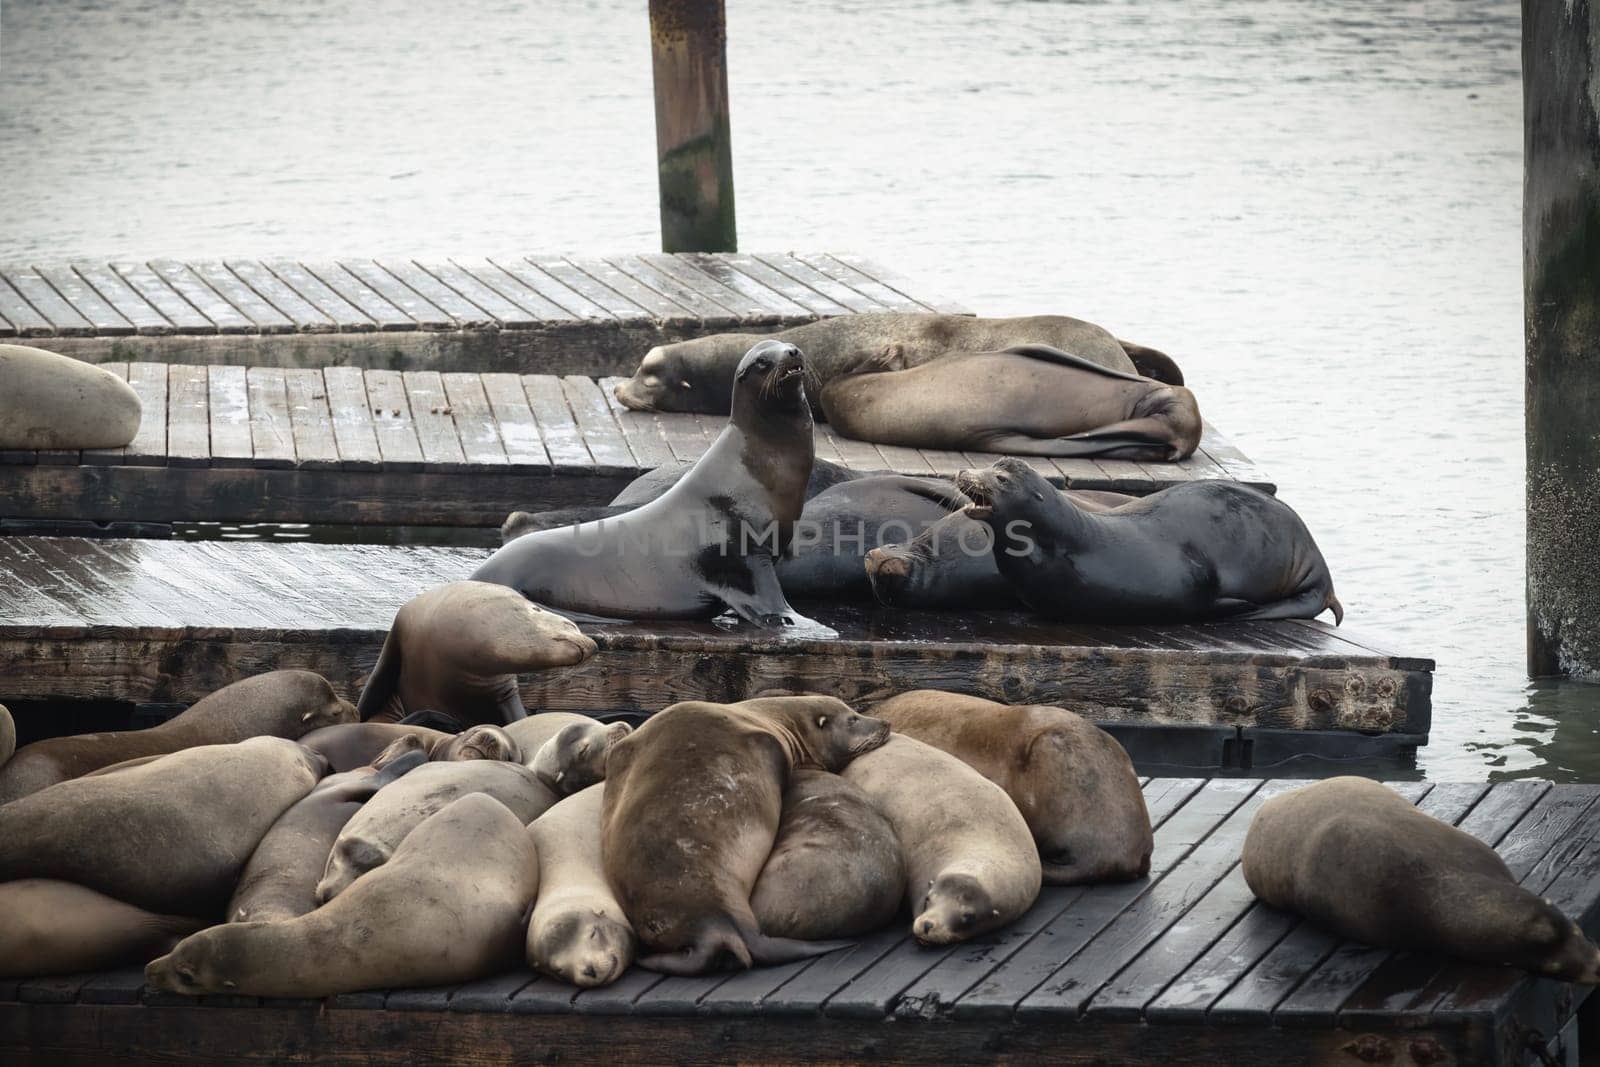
column 149, row 621
column 525, row 313
column 1182, row 967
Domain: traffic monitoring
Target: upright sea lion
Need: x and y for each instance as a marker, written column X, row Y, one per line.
column 171, row 836
column 575, row 758
column 277, row 704
column 374, row 833
column 971, row 864
column 459, row 648
column 54, row 927
column 706, row 545
column 1358, row 860
column 578, row 932
column 1074, row 785
column 692, row 803
column 835, row 868
column 280, row 880
column 351, row 745
column 1199, row 550
column 448, row 908
column 1030, row 400
column 695, row 375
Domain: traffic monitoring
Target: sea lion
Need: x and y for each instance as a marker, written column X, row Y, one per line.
column 459, row 648
column 950, row 564
column 692, row 803
column 1198, row 550
column 374, row 833
column 695, row 375
column 1074, row 785
column 171, row 836
column 578, row 932
column 531, row 733
column 280, row 880
column 277, row 704
column 448, row 908
column 8, row 734
column 54, row 927
column 971, row 864
column 835, row 868
column 708, row 544
column 1358, row 860
column 478, row 742
column 1029, row 400
column 351, row 745
column 575, row 758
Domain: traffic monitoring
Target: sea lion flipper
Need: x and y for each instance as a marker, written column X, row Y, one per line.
column 768, row 951
column 1153, row 363
column 382, row 682
column 1047, row 354
column 1148, row 439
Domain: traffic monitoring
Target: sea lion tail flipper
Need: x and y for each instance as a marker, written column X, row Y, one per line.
column 382, row 682
column 773, row 950
column 1048, row 354
column 1153, row 363
column 1138, row 439
column 1336, row 607
column 717, row 941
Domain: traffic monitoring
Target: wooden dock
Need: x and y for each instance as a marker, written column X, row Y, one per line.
column 1184, row 968
column 150, row 621
column 525, row 313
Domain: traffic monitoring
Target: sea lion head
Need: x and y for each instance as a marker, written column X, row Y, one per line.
column 663, row 382
column 575, row 758
column 1557, row 947
column 398, row 748
column 771, row 378
column 495, row 630
column 926, row 571
column 952, row 910
column 203, row 962
column 480, row 742
column 830, row 732
column 350, row 858
column 585, row 947
column 1008, row 488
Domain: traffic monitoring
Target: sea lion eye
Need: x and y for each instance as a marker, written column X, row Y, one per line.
column 763, row 363
column 186, row 976
column 684, row 383
column 822, row 721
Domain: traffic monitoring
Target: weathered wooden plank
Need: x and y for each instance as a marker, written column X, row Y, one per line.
column 754, row 310
column 271, row 431
column 146, row 319
column 361, row 294
column 709, row 313
column 353, row 414
column 601, row 434
column 149, row 444
column 228, row 285
column 857, row 455
column 303, row 315
column 906, row 288
column 685, row 435
column 24, row 319
column 400, row 292
column 469, row 407
column 519, row 430
column 188, row 417
column 478, row 295
column 312, row 425
column 459, row 312
column 52, row 989
column 229, row 407
column 536, row 308
column 120, row 986
column 1237, row 465
column 812, row 303
column 184, row 316
column 646, row 440
column 392, row 422
column 820, row 283
column 436, row 429
column 864, row 284
column 64, row 319
column 595, row 300
column 489, row 994
column 85, row 300
column 345, row 316
column 905, row 460
column 558, row 428
column 202, row 297
column 658, row 307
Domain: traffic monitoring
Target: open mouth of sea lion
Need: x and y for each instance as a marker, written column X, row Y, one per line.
column 982, row 506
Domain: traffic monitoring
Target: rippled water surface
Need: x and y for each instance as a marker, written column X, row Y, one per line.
column 1314, row 206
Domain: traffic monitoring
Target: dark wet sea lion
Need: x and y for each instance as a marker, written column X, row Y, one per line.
column 349, row 746
column 1030, row 400
column 459, row 647
column 692, row 804
column 448, row 908
column 575, row 757
column 1199, row 550
column 1360, row 861
column 54, row 927
column 696, row 375
column 1073, row 783
column 171, row 836
column 277, row 704
column 280, row 880
column 835, row 868
column 971, row 863
column 706, row 545
column 578, row 932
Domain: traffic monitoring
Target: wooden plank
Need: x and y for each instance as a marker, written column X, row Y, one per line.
column 489, row 994
column 120, row 986
column 765, row 309
column 64, row 319
column 910, row 290
column 685, row 436
column 519, row 430
column 229, row 405
column 146, row 319
column 864, row 284
column 422, row 310
column 228, row 285
column 727, row 267
column 595, row 301
column 856, row 455
column 24, row 319
column 475, row 425
column 536, row 308
column 86, row 301
column 202, row 297
column 312, row 424
column 149, row 444
column 353, row 415
column 303, row 315
column 476, row 294
column 345, row 316
column 362, row 295
column 459, row 312
column 1237, row 465
column 658, row 307
column 646, row 439
column 392, row 422
column 601, row 434
column 436, row 429
column 188, row 417
column 905, row 460
column 710, row 315
column 184, row 316
column 820, row 283
column 271, row 431
column 557, row 427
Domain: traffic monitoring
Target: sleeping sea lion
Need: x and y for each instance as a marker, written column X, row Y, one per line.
column 352, row 745
column 575, row 758
column 54, row 927
column 578, row 932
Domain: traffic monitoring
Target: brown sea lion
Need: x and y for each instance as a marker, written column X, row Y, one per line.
column 531, row 733
column 280, row 881
column 1030, row 400
column 708, row 544
column 1358, row 860
column 171, row 836
column 971, row 864
column 578, row 932
column 352, row 745
column 54, row 927
column 476, row 742
column 448, row 908
column 692, row 804
column 458, row 648
column 374, row 833
column 1072, row 782
column 278, row 704
column 1196, row 551
column 8, row 735
column 695, row 375
column 835, row 868
column 575, row 758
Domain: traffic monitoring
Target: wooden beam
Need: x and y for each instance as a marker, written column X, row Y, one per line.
column 694, row 152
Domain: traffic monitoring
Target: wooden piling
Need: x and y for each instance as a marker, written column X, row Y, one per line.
column 1561, row 278
column 688, row 45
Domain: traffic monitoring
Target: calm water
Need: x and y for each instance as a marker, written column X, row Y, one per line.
column 1314, row 206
